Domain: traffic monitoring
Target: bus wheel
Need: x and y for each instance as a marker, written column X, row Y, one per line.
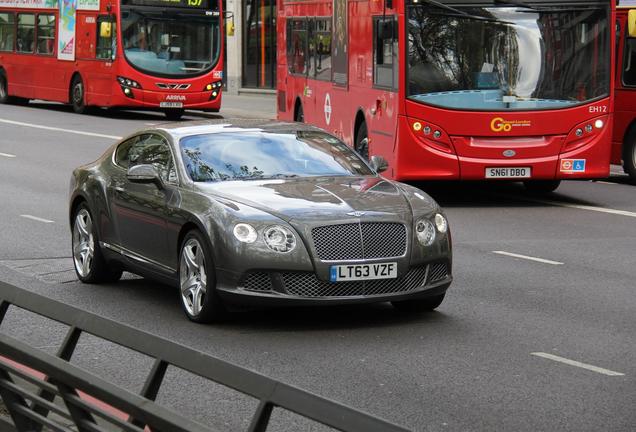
column 299, row 115
column 362, row 141
column 174, row 114
column 4, row 91
column 77, row 96
column 629, row 156
column 541, row 186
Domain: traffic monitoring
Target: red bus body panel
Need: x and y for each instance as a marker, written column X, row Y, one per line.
column 543, row 140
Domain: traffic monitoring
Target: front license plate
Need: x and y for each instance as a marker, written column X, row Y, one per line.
column 356, row 272
column 508, row 172
column 171, row 104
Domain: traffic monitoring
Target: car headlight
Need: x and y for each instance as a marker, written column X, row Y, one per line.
column 441, row 223
column 279, row 239
column 245, row 233
column 425, row 232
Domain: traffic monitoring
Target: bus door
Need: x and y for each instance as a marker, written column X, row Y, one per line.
column 98, row 45
column 298, row 65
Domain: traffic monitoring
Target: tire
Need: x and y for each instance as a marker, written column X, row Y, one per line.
column 197, row 281
column 78, row 96
column 426, row 304
column 629, row 155
column 88, row 260
column 541, row 186
column 174, row 114
column 299, row 114
column 362, row 141
column 4, row 89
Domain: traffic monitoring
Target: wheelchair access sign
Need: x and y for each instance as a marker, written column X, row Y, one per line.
column 572, row 165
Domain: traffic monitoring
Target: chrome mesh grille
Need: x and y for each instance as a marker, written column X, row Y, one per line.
column 355, row 241
column 257, row 281
column 338, row 242
column 438, row 272
column 306, row 284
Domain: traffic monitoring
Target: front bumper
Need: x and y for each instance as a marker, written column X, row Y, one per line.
column 149, row 99
column 281, row 288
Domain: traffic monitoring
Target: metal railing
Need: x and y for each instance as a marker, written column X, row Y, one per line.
column 46, row 392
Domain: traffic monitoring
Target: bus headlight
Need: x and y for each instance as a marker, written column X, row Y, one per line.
column 127, row 82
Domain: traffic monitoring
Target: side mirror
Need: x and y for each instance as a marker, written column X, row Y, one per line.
column 144, row 173
column 631, row 23
column 379, row 164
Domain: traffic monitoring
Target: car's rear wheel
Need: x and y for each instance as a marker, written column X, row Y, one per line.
column 88, row 260
column 541, row 186
column 299, row 115
column 419, row 305
column 197, row 281
column 174, row 114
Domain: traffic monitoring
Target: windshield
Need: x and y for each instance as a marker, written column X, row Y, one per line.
column 507, row 58
column 263, row 155
column 170, row 45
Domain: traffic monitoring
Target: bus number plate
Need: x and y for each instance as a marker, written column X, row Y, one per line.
column 508, row 172
column 171, row 105
column 356, row 272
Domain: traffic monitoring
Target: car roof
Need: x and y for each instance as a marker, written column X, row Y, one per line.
column 232, row 125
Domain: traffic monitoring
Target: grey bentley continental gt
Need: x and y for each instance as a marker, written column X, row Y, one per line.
column 250, row 213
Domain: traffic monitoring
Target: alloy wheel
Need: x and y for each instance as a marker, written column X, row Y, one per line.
column 83, row 243
column 193, row 277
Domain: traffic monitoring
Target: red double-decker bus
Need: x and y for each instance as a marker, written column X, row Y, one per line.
column 456, row 89
column 624, row 135
column 148, row 54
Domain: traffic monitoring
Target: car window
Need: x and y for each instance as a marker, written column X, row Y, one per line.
column 149, row 149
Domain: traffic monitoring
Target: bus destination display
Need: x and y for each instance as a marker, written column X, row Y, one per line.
column 188, row 4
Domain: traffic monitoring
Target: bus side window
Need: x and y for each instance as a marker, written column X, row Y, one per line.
column 25, row 41
column 7, row 31
column 105, row 47
column 46, row 34
column 385, row 51
column 322, row 49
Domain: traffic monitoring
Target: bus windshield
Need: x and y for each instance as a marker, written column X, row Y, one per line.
column 170, row 45
column 507, row 58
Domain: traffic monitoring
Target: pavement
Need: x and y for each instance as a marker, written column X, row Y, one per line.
column 537, row 333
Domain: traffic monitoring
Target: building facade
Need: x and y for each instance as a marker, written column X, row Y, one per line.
column 251, row 47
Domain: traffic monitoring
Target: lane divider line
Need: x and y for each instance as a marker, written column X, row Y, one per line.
column 7, row 155
column 35, row 218
column 77, row 132
column 569, row 205
column 529, row 258
column 577, row 364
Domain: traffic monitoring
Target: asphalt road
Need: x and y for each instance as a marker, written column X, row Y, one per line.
column 494, row 357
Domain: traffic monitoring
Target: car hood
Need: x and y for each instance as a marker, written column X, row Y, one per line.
column 318, row 198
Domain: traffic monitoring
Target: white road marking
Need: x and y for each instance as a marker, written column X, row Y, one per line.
column 73, row 131
column 541, row 260
column 151, row 124
column 7, row 155
column 569, row 205
column 577, row 364
column 35, row 218
column 604, row 182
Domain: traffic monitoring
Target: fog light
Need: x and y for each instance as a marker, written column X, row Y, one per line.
column 588, row 128
column 578, row 132
column 598, row 123
column 215, row 94
column 245, row 233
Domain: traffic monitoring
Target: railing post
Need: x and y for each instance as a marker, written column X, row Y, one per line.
column 260, row 421
column 79, row 415
column 4, row 306
column 152, row 385
column 21, row 422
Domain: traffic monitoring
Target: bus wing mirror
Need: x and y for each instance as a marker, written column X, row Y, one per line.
column 631, row 23
column 105, row 29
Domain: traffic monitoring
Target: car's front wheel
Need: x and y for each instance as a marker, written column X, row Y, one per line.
column 88, row 261
column 197, row 281
column 419, row 305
